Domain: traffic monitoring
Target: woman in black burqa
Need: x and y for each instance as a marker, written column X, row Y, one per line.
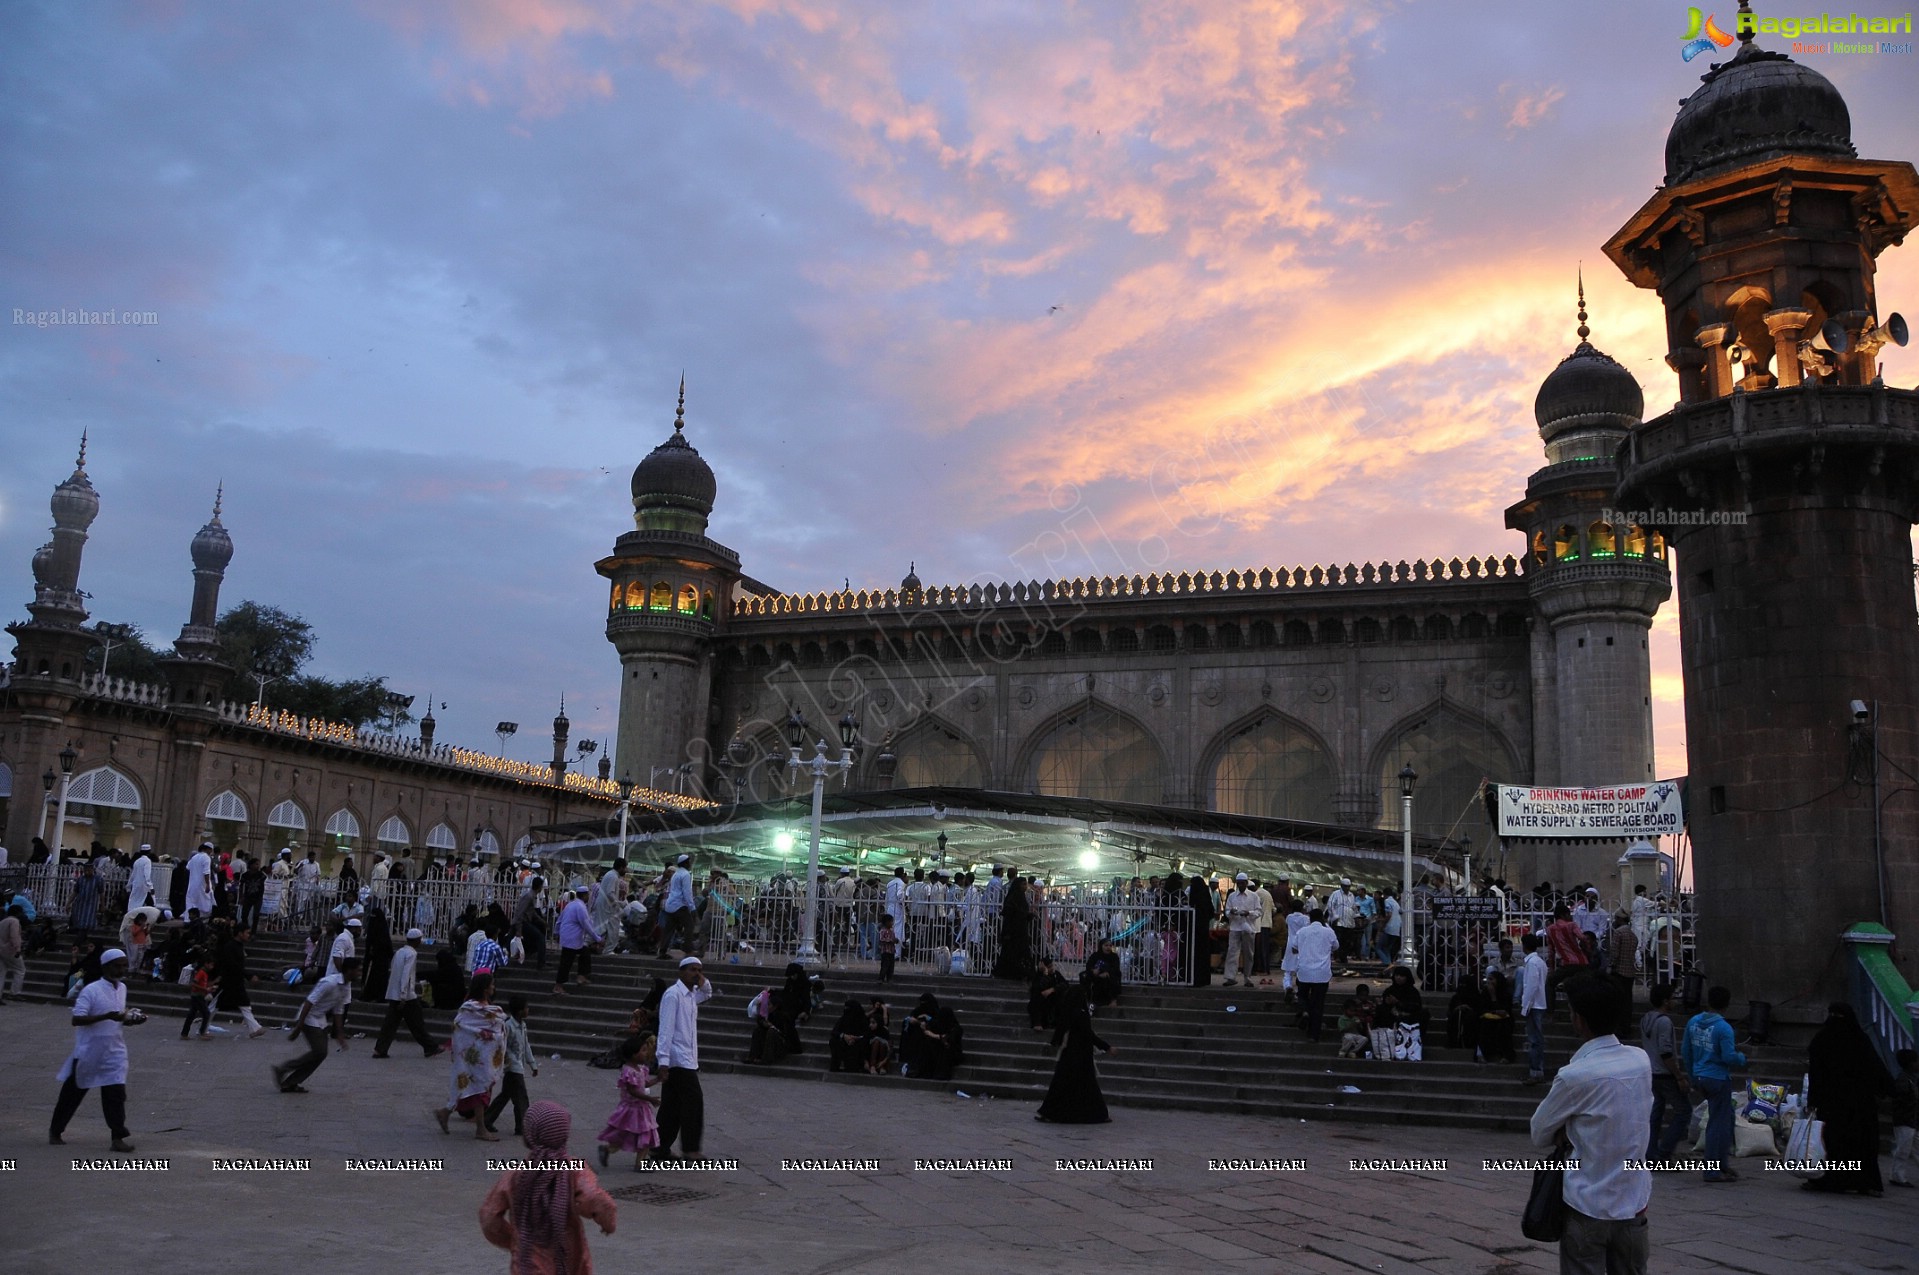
column 1200, row 896
column 930, row 1041
column 847, row 1043
column 1015, row 934
column 1074, row 1096
column 1846, row 1083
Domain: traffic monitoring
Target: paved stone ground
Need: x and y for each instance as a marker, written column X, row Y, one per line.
column 190, row 1102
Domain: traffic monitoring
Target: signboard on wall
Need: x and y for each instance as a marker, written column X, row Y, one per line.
column 1625, row 810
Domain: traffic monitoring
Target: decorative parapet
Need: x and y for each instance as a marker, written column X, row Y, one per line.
column 1217, row 584
column 317, row 730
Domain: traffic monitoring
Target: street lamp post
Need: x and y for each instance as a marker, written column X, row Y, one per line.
column 1466, row 848
column 47, row 781
column 819, row 764
column 1408, row 948
column 626, row 798
column 67, row 758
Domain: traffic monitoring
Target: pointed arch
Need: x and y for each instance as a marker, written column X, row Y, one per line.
column 343, row 823
column 1271, row 765
column 227, row 806
column 394, row 832
column 287, row 814
column 442, row 837
column 104, row 786
column 934, row 752
column 1094, row 750
column 487, row 843
column 1451, row 749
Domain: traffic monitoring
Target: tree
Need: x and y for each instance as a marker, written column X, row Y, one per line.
column 130, row 655
column 258, row 641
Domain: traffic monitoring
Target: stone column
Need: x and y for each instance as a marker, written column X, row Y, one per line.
column 1689, row 362
column 1786, row 326
column 1712, row 339
column 1856, row 366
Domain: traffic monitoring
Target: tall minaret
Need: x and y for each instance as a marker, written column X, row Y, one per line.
column 561, row 728
column 195, row 676
column 53, row 644
column 1596, row 580
column 1788, row 480
column 672, row 588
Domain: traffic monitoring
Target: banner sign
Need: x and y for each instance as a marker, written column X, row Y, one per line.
column 1629, row 810
column 1458, row 907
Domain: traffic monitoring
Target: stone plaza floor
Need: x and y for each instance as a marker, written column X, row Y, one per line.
column 192, row 1103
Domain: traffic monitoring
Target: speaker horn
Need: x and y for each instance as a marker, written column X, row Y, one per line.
column 1893, row 331
column 1836, row 339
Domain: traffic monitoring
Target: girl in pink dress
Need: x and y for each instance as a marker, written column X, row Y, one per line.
column 632, row 1126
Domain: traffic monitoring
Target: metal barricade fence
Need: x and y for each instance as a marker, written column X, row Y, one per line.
column 1454, row 934
column 761, row 925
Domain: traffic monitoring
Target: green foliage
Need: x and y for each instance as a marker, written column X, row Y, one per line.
column 130, row 655
column 259, row 641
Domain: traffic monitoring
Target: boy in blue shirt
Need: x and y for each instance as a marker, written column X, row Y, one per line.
column 1707, row 1053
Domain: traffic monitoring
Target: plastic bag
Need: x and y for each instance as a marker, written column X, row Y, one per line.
column 1806, row 1148
column 1763, row 1102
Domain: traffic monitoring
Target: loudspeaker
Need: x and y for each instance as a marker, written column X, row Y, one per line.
column 1836, row 339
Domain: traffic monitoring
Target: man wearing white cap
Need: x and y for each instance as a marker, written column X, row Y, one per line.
column 345, row 944
column 403, row 999
column 1242, row 929
column 200, row 881
column 99, row 1058
column 682, row 1105
column 140, row 881
column 1594, row 920
column 1342, row 910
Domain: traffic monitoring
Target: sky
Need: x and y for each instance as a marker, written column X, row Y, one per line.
column 1207, row 283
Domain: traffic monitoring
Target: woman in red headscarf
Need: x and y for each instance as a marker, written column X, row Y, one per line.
column 538, row 1214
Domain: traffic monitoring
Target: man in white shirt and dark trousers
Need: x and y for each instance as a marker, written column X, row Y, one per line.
column 1242, row 928
column 1312, row 949
column 328, row 999
column 682, row 1106
column 403, row 999
column 1533, row 1006
column 99, row 1058
column 1601, row 1104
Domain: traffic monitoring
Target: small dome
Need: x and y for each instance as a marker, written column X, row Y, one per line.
column 911, row 584
column 1589, row 387
column 1752, row 107
column 43, row 564
column 673, row 475
column 212, row 547
column 75, row 503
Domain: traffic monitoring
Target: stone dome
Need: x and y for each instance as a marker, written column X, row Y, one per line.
column 674, row 474
column 911, row 584
column 75, row 503
column 43, row 564
column 212, row 547
column 1755, row 106
column 1588, row 388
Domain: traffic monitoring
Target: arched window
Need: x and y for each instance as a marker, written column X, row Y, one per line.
column 1263, row 634
column 1161, row 638
column 1474, row 625
column 635, row 595
column 486, row 843
column 689, row 600
column 440, row 837
column 1366, row 630
column 1635, row 546
column 525, row 842
column 344, row 827
column 394, row 832
column 1054, row 643
column 1097, row 753
column 1086, row 642
column 1403, row 628
column 1196, row 638
column 1600, row 541
column 1123, row 639
column 1275, row 769
column 1566, row 544
column 619, row 591
column 1298, row 633
column 102, row 797
column 227, row 806
column 1229, row 639
column 706, row 606
column 1656, row 545
column 1438, row 628
column 1452, row 753
column 1332, row 631
column 285, row 824
column 1541, row 554
column 662, row 597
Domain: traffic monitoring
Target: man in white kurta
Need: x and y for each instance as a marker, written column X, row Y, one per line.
column 200, row 882
column 99, row 1058
column 140, row 879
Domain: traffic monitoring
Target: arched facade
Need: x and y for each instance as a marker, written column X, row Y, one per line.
column 1452, row 751
column 226, row 817
column 1267, row 764
column 934, row 753
column 1095, row 751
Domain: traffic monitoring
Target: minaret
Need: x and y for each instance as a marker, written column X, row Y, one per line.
column 1787, row 478
column 195, row 675
column 428, row 725
column 561, row 727
column 53, row 644
column 672, row 588
column 1596, row 580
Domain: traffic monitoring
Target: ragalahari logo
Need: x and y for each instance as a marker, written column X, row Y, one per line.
column 1702, row 35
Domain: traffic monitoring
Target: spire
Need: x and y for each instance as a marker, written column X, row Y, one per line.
column 219, row 493
column 679, row 413
column 1746, row 23
column 1584, row 331
column 80, row 465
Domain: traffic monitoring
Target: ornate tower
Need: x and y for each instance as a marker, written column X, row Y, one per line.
column 561, row 728
column 1596, row 578
column 1788, row 480
column 672, row 588
column 53, row 644
column 194, row 672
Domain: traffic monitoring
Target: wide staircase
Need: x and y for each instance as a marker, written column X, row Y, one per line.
column 1198, row 1049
